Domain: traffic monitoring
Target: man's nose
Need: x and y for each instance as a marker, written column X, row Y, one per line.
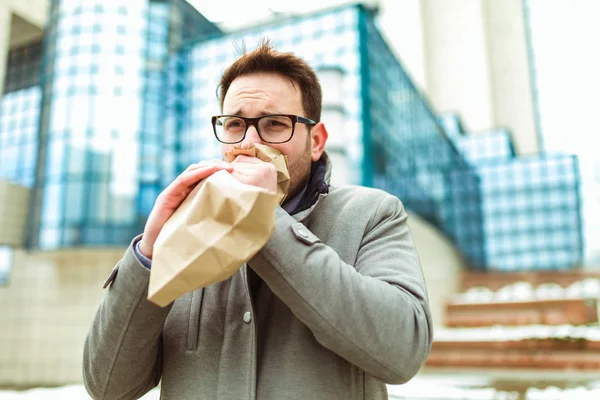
column 251, row 137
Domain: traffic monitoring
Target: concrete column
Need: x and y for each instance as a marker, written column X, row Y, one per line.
column 458, row 69
column 401, row 23
column 13, row 213
column 31, row 17
column 442, row 263
column 34, row 11
column 512, row 99
column 5, row 22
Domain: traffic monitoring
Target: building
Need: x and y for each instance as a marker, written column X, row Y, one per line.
column 83, row 94
column 108, row 101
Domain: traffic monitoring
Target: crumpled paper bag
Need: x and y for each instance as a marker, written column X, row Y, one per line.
column 219, row 226
column 267, row 154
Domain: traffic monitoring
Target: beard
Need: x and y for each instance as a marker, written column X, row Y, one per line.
column 300, row 171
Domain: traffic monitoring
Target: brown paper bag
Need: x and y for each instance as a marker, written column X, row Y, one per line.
column 219, row 226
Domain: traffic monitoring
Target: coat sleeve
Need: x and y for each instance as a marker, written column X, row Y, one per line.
column 375, row 313
column 122, row 351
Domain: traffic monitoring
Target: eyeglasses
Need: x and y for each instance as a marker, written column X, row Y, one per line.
column 273, row 128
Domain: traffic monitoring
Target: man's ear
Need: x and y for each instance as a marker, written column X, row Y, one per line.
column 318, row 140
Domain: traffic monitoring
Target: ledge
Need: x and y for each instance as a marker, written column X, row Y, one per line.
column 552, row 354
column 543, row 312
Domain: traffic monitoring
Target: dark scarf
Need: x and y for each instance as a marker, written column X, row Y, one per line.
column 315, row 187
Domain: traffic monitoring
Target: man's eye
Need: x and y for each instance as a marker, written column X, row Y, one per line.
column 233, row 124
column 277, row 123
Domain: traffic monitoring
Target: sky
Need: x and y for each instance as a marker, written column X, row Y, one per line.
column 235, row 13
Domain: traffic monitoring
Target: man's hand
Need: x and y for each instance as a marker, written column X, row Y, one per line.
column 252, row 171
column 172, row 197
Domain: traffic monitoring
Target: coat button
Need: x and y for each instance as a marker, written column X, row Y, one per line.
column 303, row 233
column 247, row 317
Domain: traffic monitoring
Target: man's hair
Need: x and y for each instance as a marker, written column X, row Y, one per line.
column 266, row 59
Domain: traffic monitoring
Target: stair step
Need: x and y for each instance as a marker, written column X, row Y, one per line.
column 497, row 280
column 518, row 313
column 545, row 354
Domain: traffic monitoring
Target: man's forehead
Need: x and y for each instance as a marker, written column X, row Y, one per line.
column 274, row 94
column 263, row 81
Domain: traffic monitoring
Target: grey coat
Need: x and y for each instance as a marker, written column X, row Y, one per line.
column 340, row 310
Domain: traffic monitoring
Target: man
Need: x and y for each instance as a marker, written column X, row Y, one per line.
column 333, row 307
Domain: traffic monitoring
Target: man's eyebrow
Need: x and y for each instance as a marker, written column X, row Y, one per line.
column 240, row 112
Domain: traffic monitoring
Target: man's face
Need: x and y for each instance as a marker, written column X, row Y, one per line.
column 260, row 94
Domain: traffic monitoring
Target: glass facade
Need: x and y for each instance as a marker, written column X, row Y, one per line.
column 124, row 103
column 101, row 159
column 19, row 125
column 23, row 67
column 170, row 26
column 531, row 206
column 19, row 115
column 491, row 145
column 532, row 213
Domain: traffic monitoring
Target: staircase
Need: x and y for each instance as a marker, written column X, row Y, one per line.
column 522, row 329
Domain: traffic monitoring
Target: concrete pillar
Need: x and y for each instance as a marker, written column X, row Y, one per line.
column 442, row 263
column 512, row 98
column 31, row 17
column 458, row 68
column 5, row 22
column 477, row 65
column 13, row 213
column 34, row 11
column 401, row 23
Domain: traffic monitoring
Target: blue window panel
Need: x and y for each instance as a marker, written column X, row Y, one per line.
column 29, row 156
column 76, row 159
column 123, row 210
column 148, row 194
column 95, row 235
column 74, row 202
column 8, row 164
column 71, row 236
column 19, row 113
column 532, row 209
column 98, row 199
column 55, row 158
column 59, row 114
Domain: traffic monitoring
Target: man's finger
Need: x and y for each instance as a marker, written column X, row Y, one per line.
column 194, row 175
column 204, row 164
column 246, row 159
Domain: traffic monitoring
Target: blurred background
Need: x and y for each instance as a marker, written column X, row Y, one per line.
column 480, row 115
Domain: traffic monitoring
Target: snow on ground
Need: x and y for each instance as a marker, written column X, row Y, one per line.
column 72, row 392
column 420, row 388
column 588, row 288
column 504, row 333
